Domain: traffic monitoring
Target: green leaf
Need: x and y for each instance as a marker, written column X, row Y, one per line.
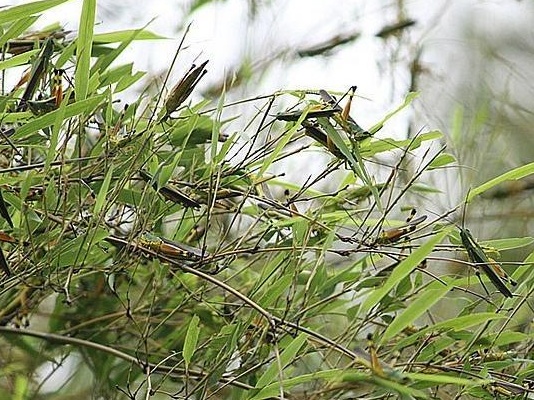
column 431, row 294
column 507, row 338
column 508, row 243
column 407, row 101
column 47, row 120
column 380, row 146
column 54, row 136
column 445, row 379
column 83, row 49
column 274, row 290
column 191, row 339
column 26, row 10
column 338, row 141
column 403, row 270
column 441, row 160
column 103, row 193
column 128, row 80
column 280, row 145
column 273, row 389
column 404, row 391
column 17, row 60
column 121, row 36
column 105, row 60
column 287, row 356
column 513, row 175
column 17, row 28
column 454, row 324
column 113, row 75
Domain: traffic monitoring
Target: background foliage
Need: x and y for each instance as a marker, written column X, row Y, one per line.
column 155, row 249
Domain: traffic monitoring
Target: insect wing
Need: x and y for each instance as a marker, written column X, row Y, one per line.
column 37, row 72
column 170, row 193
column 501, row 272
column 181, row 91
column 294, row 116
column 330, row 100
column 184, row 251
column 342, row 117
column 477, row 255
column 395, row 234
column 4, row 212
column 3, row 263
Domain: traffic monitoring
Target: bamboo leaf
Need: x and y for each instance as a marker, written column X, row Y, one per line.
column 103, row 193
column 126, row 35
column 273, row 389
column 48, row 119
column 453, row 324
column 407, row 101
column 286, row 357
column 508, row 243
column 191, row 339
column 26, row 10
column 17, row 28
column 83, row 50
column 441, row 161
column 403, row 270
column 432, row 294
column 512, row 175
column 446, row 379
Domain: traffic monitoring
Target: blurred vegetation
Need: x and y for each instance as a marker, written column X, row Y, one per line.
column 154, row 250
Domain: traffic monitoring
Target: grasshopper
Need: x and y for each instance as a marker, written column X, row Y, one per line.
column 334, row 111
column 295, row 115
column 3, row 210
column 170, row 193
column 490, row 267
column 181, row 91
column 317, row 123
column 37, row 72
column 171, row 249
column 342, row 117
column 393, row 235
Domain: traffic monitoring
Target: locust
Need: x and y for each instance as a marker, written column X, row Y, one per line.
column 3, row 210
column 342, row 117
column 181, row 91
column 170, row 193
column 490, row 267
column 37, row 72
column 393, row 235
column 316, row 122
column 170, row 249
column 312, row 113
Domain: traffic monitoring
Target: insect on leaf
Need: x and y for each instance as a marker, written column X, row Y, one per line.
column 181, row 91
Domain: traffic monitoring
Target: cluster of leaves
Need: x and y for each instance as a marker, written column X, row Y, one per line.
column 156, row 254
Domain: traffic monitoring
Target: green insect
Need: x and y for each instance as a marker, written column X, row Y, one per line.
column 490, row 267
column 171, row 249
column 312, row 113
column 181, row 91
column 342, row 117
column 170, row 193
column 317, row 121
column 37, row 72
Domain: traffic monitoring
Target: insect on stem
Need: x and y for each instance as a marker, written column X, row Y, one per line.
column 171, row 249
column 37, row 72
column 490, row 267
column 395, row 234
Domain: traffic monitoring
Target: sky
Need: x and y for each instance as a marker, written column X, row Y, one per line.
column 224, row 33
column 453, row 36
